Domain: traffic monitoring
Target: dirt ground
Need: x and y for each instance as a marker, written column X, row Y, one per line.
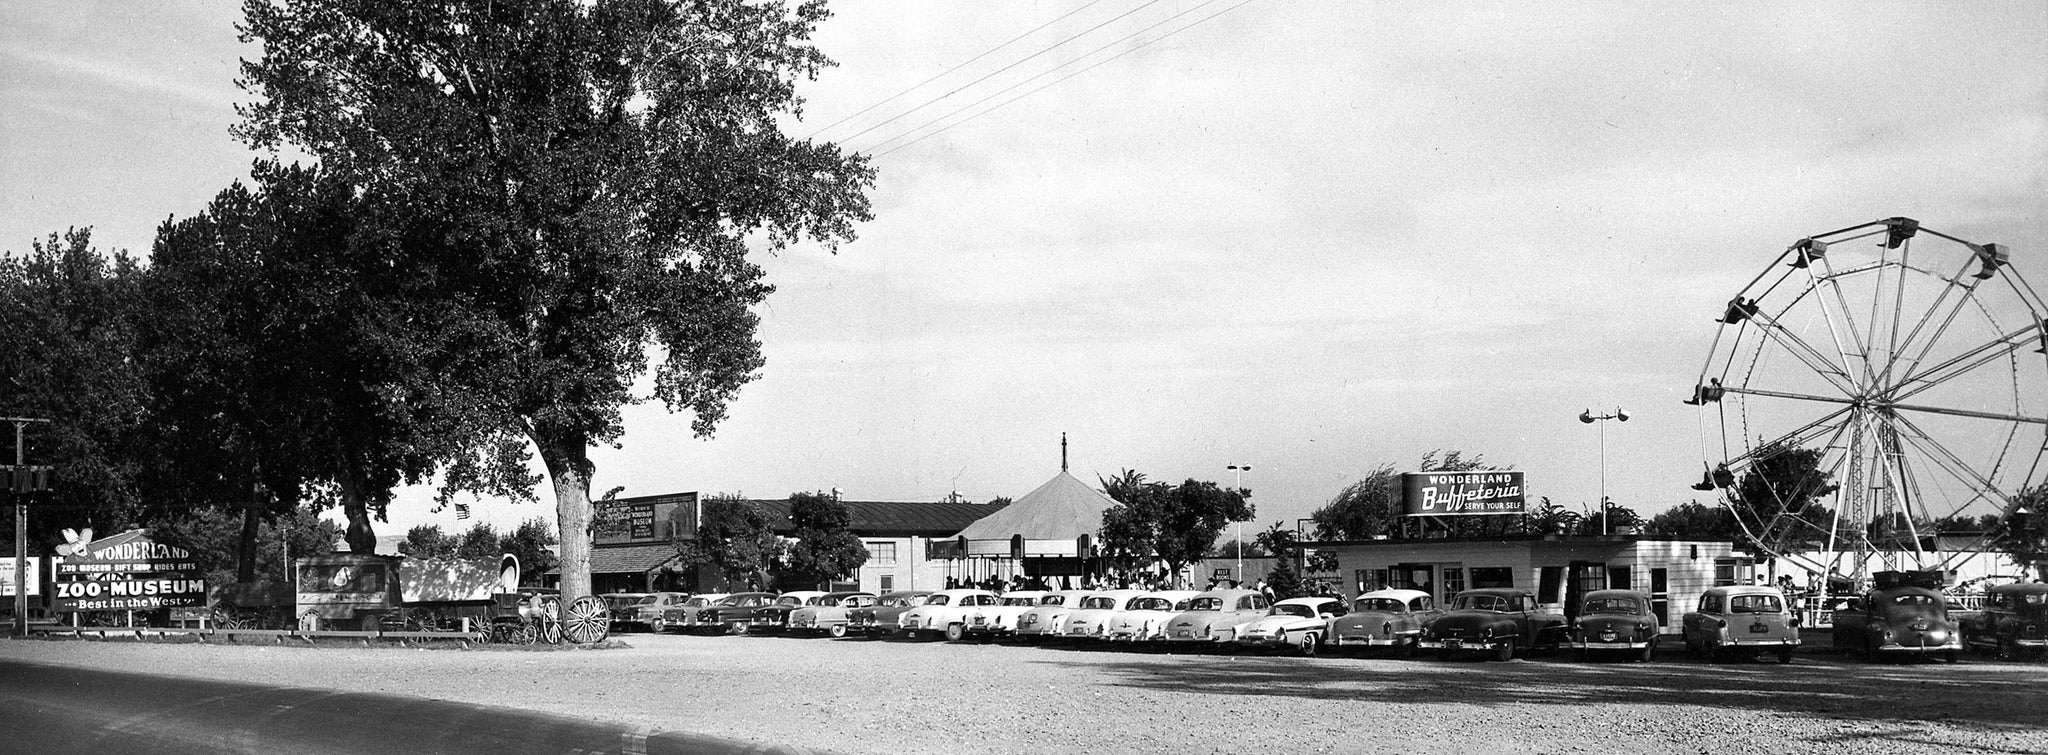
column 889, row 696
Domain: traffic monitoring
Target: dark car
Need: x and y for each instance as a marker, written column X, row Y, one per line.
column 650, row 612
column 1501, row 621
column 2014, row 622
column 1615, row 621
column 774, row 617
column 733, row 613
column 1905, row 615
column 882, row 616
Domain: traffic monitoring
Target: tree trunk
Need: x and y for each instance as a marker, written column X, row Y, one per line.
column 360, row 536
column 568, row 462
column 245, row 548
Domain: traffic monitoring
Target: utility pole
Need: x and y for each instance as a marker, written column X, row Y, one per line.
column 20, row 490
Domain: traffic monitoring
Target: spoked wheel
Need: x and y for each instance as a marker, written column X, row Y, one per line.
column 586, row 621
column 310, row 621
column 1870, row 383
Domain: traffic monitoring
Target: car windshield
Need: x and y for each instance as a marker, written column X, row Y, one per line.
column 1020, row 602
column 1295, row 609
column 648, row 601
column 2034, row 599
column 1481, row 603
column 616, row 601
column 1206, row 604
column 736, row 600
column 938, row 600
column 1624, row 606
column 1098, row 603
column 1151, row 604
column 1379, row 604
column 698, row 602
column 1755, row 604
column 1913, row 600
column 789, row 601
column 897, row 602
column 825, row 600
column 1053, row 600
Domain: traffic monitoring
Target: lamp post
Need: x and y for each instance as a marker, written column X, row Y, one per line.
column 1589, row 417
column 1240, row 469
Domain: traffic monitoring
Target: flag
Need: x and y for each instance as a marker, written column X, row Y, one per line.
column 462, row 511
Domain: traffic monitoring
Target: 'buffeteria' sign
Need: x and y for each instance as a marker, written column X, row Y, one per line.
column 1461, row 493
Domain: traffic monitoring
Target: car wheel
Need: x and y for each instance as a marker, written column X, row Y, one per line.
column 1692, row 646
column 657, row 625
column 1505, row 652
column 1649, row 651
column 736, row 628
column 1405, row 650
column 1870, row 651
column 2008, row 650
column 1308, row 644
column 1784, row 655
column 837, row 630
column 1443, row 654
column 956, row 632
column 1951, row 656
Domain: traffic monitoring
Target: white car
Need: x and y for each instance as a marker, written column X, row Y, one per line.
column 1000, row 620
column 1090, row 620
column 1300, row 623
column 944, row 612
column 1146, row 619
column 1044, row 620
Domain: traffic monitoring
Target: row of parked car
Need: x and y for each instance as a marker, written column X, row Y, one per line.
column 1894, row 619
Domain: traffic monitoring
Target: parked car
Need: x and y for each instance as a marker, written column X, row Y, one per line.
column 828, row 613
column 650, row 612
column 2014, row 621
column 1089, row 620
column 1502, row 621
column 1383, row 618
column 732, row 614
column 1000, row 620
column 1904, row 615
column 774, row 617
column 1616, row 621
column 683, row 618
column 1045, row 619
column 1747, row 619
column 1215, row 615
column 1145, row 619
column 944, row 613
column 882, row 616
column 616, row 603
column 1299, row 623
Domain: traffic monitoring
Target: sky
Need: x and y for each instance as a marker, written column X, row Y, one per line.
column 1310, row 238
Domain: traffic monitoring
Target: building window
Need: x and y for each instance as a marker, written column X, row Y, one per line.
column 1370, row 580
column 1454, row 580
column 1493, row 576
column 888, row 583
column 881, row 554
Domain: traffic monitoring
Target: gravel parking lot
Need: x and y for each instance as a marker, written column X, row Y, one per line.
column 857, row 695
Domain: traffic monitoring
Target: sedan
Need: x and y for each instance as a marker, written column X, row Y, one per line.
column 1741, row 619
column 1384, row 618
column 1214, row 616
column 1090, row 619
column 828, row 613
column 1615, row 621
column 1299, row 623
column 1145, row 619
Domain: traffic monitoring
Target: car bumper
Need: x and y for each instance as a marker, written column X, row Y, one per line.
column 1759, row 642
column 1913, row 649
column 1370, row 641
column 1460, row 644
column 1610, row 644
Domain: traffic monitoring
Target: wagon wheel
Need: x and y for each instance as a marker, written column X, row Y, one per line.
column 550, row 625
column 226, row 617
column 525, row 632
column 586, row 621
column 310, row 621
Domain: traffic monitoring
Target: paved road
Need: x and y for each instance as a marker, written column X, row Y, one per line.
column 52, row 709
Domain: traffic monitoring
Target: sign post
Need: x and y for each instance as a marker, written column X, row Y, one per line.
column 20, row 489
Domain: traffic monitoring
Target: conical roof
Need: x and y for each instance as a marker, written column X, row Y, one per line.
column 1063, row 508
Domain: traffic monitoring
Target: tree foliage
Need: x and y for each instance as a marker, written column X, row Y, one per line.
column 1175, row 525
column 2022, row 532
column 1614, row 519
column 68, row 317
column 1693, row 520
column 580, row 179
column 734, row 539
column 528, row 542
column 1371, row 507
column 824, row 547
column 213, row 535
column 1777, row 498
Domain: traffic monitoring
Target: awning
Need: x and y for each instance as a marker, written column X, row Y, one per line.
column 630, row 559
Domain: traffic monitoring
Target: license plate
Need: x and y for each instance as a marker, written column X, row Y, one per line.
column 1758, row 628
column 1454, row 644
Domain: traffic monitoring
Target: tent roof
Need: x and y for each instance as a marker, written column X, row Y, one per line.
column 1063, row 508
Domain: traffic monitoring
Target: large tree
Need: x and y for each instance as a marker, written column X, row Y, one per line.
column 1776, row 501
column 1175, row 525
column 2022, row 532
column 824, row 547
column 68, row 319
column 1693, row 520
column 583, row 179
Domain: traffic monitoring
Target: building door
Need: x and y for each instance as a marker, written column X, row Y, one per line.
column 1660, row 595
column 1416, row 577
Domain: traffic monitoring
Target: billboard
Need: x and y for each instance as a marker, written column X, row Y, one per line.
column 34, row 577
column 127, row 572
column 642, row 520
column 1462, row 493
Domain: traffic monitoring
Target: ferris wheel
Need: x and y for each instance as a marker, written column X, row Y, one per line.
column 1869, row 383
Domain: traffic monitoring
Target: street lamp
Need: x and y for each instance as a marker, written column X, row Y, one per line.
column 1589, row 417
column 1240, row 469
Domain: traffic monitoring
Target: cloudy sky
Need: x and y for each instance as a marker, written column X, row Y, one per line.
column 1312, row 238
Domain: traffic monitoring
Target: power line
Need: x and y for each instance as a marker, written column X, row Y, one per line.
column 943, row 74
column 1048, row 84
column 1045, row 73
column 991, row 74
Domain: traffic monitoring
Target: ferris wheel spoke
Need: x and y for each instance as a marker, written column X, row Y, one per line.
column 1798, row 438
column 1964, row 363
column 1955, row 283
column 1848, row 324
column 1806, row 354
column 1953, row 412
column 1947, row 460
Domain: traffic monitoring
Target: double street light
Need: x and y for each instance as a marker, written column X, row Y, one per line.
column 1589, row 418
